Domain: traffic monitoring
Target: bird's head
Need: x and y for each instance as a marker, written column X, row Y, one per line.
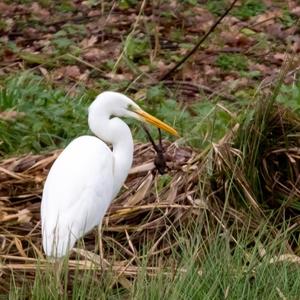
column 121, row 106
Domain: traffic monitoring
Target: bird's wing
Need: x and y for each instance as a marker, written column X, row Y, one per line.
column 77, row 193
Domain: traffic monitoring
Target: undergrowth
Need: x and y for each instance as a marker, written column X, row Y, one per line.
column 223, row 268
column 44, row 117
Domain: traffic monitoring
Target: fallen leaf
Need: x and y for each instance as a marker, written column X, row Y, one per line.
column 120, row 77
column 296, row 44
column 44, row 72
column 24, row 216
column 276, row 31
column 72, row 72
column 235, row 39
column 10, row 115
column 144, row 68
column 19, row 246
column 201, row 22
column 267, row 18
column 279, row 56
column 5, row 9
column 88, row 42
column 38, row 11
column 263, row 69
column 94, row 54
column 296, row 11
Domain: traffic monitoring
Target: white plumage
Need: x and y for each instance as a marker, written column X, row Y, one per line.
column 87, row 175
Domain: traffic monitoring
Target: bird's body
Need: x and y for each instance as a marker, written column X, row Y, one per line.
column 72, row 193
column 87, row 175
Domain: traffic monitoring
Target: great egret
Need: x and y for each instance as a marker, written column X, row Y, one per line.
column 87, row 175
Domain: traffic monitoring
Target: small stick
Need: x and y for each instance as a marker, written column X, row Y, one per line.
column 189, row 54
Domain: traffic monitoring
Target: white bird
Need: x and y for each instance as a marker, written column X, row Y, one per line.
column 87, row 175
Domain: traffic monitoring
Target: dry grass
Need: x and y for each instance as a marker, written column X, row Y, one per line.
column 212, row 186
column 144, row 210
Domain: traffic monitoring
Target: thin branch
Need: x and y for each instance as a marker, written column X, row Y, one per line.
column 185, row 58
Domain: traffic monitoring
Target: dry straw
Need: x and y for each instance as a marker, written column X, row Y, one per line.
column 213, row 187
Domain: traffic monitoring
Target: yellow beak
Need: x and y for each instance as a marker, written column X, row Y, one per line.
column 156, row 122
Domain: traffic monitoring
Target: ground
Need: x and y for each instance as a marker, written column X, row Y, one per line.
column 235, row 163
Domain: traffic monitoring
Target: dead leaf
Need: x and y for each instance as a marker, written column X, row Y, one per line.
column 31, row 33
column 5, row 9
column 19, row 246
column 276, row 31
column 38, row 11
column 24, row 216
column 296, row 11
column 120, row 77
column 296, row 44
column 93, row 54
column 265, row 70
column 144, row 68
column 201, row 22
column 44, row 72
column 279, row 56
column 235, row 39
column 72, row 72
column 88, row 42
column 141, row 192
column 285, row 258
column 267, row 18
column 11, row 115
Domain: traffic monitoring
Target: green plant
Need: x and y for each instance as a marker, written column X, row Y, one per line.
column 48, row 118
column 290, row 96
column 249, row 8
column 136, row 48
column 288, row 19
column 215, row 6
column 232, row 62
column 213, row 267
column 127, row 3
column 192, row 2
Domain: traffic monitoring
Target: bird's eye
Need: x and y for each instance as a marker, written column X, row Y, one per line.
column 130, row 107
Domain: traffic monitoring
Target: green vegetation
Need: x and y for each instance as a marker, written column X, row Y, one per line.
column 46, row 118
column 290, row 96
column 222, row 268
column 249, row 8
column 136, row 48
column 232, row 62
column 216, row 6
column 287, row 19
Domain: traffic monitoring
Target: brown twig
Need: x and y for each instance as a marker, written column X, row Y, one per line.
column 189, row 54
column 198, row 87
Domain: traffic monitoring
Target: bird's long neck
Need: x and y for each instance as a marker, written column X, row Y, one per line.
column 123, row 155
column 117, row 133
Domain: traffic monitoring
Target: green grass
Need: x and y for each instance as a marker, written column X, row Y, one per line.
column 52, row 118
column 231, row 62
column 290, row 96
column 215, row 6
column 249, row 8
column 220, row 269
